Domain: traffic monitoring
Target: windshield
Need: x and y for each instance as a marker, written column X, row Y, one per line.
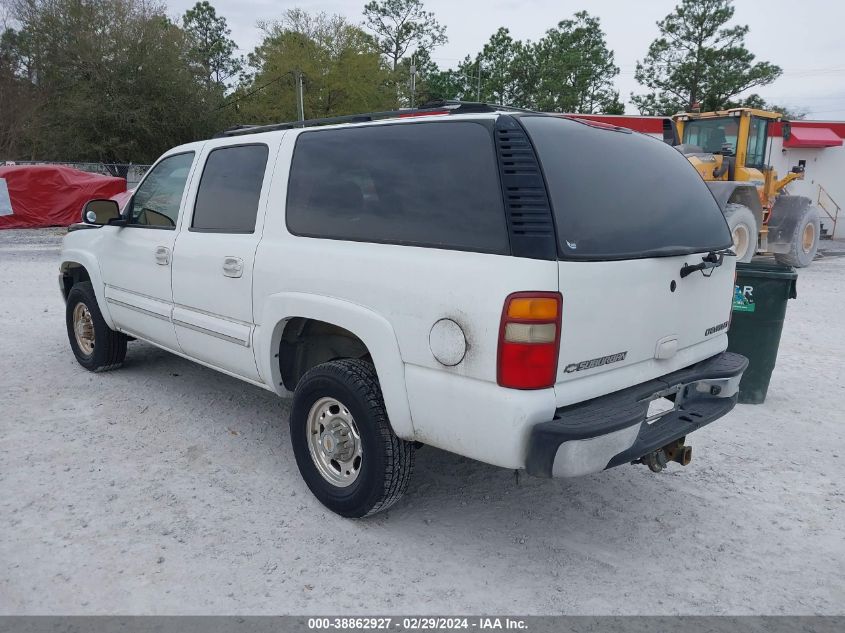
column 623, row 195
column 715, row 136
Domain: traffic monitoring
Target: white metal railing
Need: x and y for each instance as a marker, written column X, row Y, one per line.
column 829, row 207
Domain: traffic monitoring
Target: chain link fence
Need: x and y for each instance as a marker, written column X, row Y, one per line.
column 130, row 171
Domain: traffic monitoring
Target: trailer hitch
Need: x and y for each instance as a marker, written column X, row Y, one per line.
column 674, row 452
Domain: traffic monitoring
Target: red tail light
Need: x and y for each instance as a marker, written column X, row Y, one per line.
column 529, row 340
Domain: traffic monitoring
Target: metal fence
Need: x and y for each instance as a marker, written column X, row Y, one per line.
column 130, row 171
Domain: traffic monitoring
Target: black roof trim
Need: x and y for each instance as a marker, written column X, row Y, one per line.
column 432, row 107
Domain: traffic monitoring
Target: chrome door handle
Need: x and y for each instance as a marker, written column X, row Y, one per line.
column 162, row 255
column 233, row 266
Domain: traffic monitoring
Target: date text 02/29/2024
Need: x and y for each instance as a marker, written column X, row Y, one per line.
column 423, row 623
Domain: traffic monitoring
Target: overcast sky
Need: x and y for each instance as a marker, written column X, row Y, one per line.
column 804, row 38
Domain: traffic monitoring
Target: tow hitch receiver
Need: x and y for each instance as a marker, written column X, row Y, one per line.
column 674, row 452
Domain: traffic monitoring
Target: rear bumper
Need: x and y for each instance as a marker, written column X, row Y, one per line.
column 610, row 430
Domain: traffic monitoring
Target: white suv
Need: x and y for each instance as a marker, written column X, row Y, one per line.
column 531, row 291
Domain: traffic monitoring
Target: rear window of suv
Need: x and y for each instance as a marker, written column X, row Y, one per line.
column 419, row 184
column 620, row 195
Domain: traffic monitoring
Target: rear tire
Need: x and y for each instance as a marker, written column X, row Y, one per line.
column 805, row 240
column 744, row 230
column 96, row 346
column 344, row 447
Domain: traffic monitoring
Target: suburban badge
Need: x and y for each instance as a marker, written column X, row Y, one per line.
column 596, row 362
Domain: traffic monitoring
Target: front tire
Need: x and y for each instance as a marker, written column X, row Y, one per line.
column 96, row 346
column 744, row 229
column 345, row 449
column 805, row 240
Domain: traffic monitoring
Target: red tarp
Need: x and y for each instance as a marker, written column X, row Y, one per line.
column 50, row 195
column 812, row 137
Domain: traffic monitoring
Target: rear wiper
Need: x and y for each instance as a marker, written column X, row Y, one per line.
column 711, row 260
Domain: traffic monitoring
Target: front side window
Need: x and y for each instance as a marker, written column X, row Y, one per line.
column 227, row 198
column 157, row 200
column 714, row 136
column 758, row 134
column 418, row 184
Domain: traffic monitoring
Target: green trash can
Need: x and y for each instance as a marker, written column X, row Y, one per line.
column 759, row 307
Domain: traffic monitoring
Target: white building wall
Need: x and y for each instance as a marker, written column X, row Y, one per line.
column 824, row 167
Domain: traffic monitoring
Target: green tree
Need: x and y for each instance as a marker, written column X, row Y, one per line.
column 444, row 84
column 402, row 25
column 112, row 81
column 698, row 58
column 341, row 67
column 572, row 70
column 17, row 93
column 211, row 48
column 413, row 76
column 756, row 101
column 502, row 65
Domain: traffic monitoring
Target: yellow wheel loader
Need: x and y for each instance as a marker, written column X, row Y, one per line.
column 731, row 150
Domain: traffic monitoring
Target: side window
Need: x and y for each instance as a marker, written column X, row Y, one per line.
column 156, row 201
column 757, row 138
column 227, row 198
column 418, row 184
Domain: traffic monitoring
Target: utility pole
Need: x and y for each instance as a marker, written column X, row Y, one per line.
column 478, row 95
column 300, row 99
column 413, row 81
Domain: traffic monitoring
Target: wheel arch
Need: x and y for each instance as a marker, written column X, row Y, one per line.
column 70, row 270
column 71, row 273
column 372, row 329
column 307, row 342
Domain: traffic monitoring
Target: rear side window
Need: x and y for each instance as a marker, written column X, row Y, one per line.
column 419, row 184
column 227, row 198
column 618, row 195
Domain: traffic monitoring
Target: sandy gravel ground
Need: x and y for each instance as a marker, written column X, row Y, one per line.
column 166, row 488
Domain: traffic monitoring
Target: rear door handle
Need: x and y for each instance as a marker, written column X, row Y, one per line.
column 233, row 266
column 162, row 255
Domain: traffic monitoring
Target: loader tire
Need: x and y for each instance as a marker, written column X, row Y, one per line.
column 805, row 240
column 744, row 230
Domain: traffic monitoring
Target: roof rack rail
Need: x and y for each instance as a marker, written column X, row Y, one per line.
column 443, row 106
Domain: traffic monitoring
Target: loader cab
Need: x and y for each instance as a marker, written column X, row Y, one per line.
column 731, row 150
column 739, row 133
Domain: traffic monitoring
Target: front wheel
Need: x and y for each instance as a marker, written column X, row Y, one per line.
column 344, row 447
column 743, row 228
column 96, row 346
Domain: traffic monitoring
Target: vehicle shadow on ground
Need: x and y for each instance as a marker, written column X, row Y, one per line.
column 469, row 483
column 161, row 366
column 445, row 486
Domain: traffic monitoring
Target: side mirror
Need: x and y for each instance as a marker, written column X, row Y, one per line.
column 100, row 212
